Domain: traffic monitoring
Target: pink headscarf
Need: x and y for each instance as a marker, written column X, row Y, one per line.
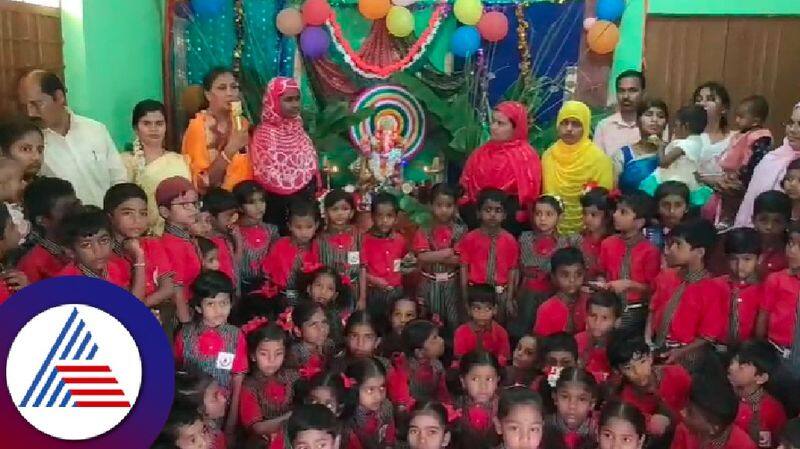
column 284, row 159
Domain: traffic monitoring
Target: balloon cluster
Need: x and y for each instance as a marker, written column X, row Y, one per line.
column 307, row 22
column 476, row 24
column 602, row 32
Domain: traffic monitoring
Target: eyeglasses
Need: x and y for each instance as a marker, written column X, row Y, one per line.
column 189, row 204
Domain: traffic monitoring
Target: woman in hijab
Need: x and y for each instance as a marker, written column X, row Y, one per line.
column 506, row 162
column 573, row 162
column 283, row 156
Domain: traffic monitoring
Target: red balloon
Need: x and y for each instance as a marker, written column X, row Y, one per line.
column 493, row 26
column 316, row 12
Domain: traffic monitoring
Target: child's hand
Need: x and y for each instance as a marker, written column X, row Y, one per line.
column 658, row 424
column 619, row 286
column 134, row 250
column 236, row 233
column 15, row 279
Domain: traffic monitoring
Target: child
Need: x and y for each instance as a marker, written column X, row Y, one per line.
column 597, row 213
column 750, row 371
column 23, row 141
column 367, row 411
column 203, row 393
column 633, row 163
column 256, row 235
column 629, row 262
column 622, row 426
column 435, row 250
column 209, row 251
column 489, row 254
column 772, row 212
column 603, row 311
column 184, row 429
column 790, row 438
column 382, row 253
column 556, row 352
column 340, row 242
column 418, row 373
column 314, row 348
column 482, row 332
column 519, row 418
column 480, row 377
column 202, row 225
column 178, row 205
column 222, row 206
column 566, row 311
column 292, row 255
column 791, row 185
column 672, row 207
column 266, row 398
column 210, row 344
column 361, row 339
column 11, row 280
column 522, row 369
column 403, row 310
column 428, row 426
column 323, row 388
column 743, row 288
column 310, row 426
column 687, row 309
column 11, row 187
column 659, row 392
column 573, row 426
column 46, row 200
column 326, row 289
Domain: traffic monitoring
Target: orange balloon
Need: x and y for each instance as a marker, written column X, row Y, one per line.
column 602, row 37
column 374, row 9
column 289, row 22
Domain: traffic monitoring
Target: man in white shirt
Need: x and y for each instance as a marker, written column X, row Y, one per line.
column 76, row 148
column 621, row 129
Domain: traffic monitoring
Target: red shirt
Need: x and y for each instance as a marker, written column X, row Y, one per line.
column 553, row 315
column 781, row 293
column 594, row 359
column 672, row 392
column 494, row 341
column 701, row 312
column 537, row 279
column 157, row 264
column 274, row 392
column 474, row 251
column 211, row 343
column 5, row 292
column 684, row 439
column 185, row 260
column 772, row 418
column 117, row 272
column 285, row 260
column 748, row 303
column 645, row 262
column 403, row 382
column 381, row 256
column 773, row 261
column 226, row 264
column 590, row 247
column 40, row 263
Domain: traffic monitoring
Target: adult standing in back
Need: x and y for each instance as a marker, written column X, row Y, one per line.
column 621, row 129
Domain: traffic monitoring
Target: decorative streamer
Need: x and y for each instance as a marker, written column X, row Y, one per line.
column 522, row 41
column 238, row 49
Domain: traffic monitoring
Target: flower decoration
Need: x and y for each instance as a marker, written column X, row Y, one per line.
column 276, row 392
column 345, row 316
column 285, row 321
column 553, row 373
column 456, row 364
column 349, row 382
column 452, row 413
column 589, row 186
column 309, row 371
column 254, row 325
column 210, row 343
column 479, row 417
column 615, row 194
column 502, row 360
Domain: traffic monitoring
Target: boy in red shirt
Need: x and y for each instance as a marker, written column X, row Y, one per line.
column 489, row 254
column 772, row 211
column 628, row 261
column 688, row 308
column 566, row 311
column 46, row 200
column 11, row 279
column 178, row 205
column 743, row 288
column 482, row 332
column 760, row 414
column 602, row 311
column 224, row 208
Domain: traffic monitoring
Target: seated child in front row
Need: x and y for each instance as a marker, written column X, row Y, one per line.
column 573, row 424
column 524, row 363
column 184, row 429
column 361, row 340
column 201, row 392
column 482, row 332
column 566, row 311
column 479, row 373
column 11, row 280
column 744, row 288
column 418, row 373
column 772, row 212
column 367, row 411
column 620, row 421
column 520, row 420
column 602, row 313
column 401, row 311
column 556, row 352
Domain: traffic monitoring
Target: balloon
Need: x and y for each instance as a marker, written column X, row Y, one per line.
column 610, row 10
column 208, row 9
column 374, row 9
column 289, row 22
column 465, row 41
column 314, row 42
column 493, row 26
column 603, row 37
column 589, row 22
column 315, row 12
column 404, row 2
column 399, row 21
column 468, row 12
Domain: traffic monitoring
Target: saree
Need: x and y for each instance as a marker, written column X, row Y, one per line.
column 199, row 156
column 635, row 169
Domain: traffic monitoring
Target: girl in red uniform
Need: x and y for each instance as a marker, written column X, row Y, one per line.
column 367, row 411
column 361, row 340
column 520, row 420
column 313, row 348
column 418, row 372
column 256, row 235
column 622, row 426
column 205, row 395
column 402, row 311
column 325, row 288
column 340, row 241
column 597, row 211
column 523, row 367
column 480, row 378
column 573, row 425
column 428, row 426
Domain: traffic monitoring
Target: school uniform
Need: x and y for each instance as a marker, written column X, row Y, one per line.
column 494, row 340
column 762, row 417
column 342, row 252
column 438, row 284
column 735, row 438
column 669, row 397
column 490, row 260
column 412, row 380
column 561, row 314
column 116, row 272
column 220, row 352
column 593, row 356
column 382, row 256
column 773, row 260
column 225, row 252
column 782, row 305
column 284, row 263
column 256, row 241
column 45, row 260
column 744, row 302
column 590, row 247
column 266, row 397
column 182, row 251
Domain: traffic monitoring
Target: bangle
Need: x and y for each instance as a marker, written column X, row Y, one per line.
column 225, row 156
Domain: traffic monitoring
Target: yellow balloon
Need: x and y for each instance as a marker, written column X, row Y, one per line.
column 468, row 12
column 399, row 21
column 603, row 37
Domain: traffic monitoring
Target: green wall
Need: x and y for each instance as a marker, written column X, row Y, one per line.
column 112, row 57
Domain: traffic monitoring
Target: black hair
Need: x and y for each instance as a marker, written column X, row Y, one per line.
column 143, row 107
column 361, row 370
column 482, row 293
column 244, row 191
column 560, row 341
column 191, row 386
column 517, row 396
column 760, row 354
column 568, row 256
column 13, row 130
column 624, row 347
column 648, row 103
column 119, row 193
column 213, row 74
column 209, row 284
column 790, row 436
column 676, row 188
column 304, row 310
column 415, row 334
column 336, row 195
column 401, row 298
column 631, row 74
column 607, row 299
column 773, row 202
column 640, row 203
column 758, row 106
column 49, row 82
column 311, row 417
column 742, row 241
column 598, row 197
column 794, row 165
column 694, row 117
column 496, row 195
column 445, row 190
column 343, row 299
column 715, row 399
column 325, row 379
column 384, row 198
column 218, row 200
column 303, row 208
column 551, row 201
column 41, row 195
column 720, row 92
column 86, row 221
column 205, row 246
column 181, row 415
column 5, row 217
column 698, row 233
column 617, row 409
column 359, row 318
column 477, row 358
column 434, row 408
column 269, row 332
column 578, row 375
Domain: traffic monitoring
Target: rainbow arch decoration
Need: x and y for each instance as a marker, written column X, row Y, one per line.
column 392, row 102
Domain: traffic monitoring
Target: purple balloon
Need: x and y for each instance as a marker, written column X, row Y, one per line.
column 314, row 42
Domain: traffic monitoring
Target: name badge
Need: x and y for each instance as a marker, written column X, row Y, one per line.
column 499, row 289
column 353, row 258
column 397, row 263
column 442, row 277
column 225, row 361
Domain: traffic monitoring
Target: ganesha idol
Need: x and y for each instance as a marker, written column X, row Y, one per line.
column 382, row 154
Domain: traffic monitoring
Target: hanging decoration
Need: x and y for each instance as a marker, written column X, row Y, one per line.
column 374, row 9
column 610, row 10
column 468, row 12
column 290, row 22
column 314, row 42
column 399, row 21
column 465, row 41
column 493, row 26
column 602, row 37
column 523, row 45
column 316, row 12
column 238, row 50
column 207, row 9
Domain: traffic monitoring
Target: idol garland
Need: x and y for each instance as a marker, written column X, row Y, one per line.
column 522, row 41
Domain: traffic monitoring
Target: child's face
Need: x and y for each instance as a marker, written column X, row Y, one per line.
column 129, row 219
column 325, row 396
column 28, row 151
column 545, row 217
column 255, row 207
column 323, row 290
column 183, row 210
column 570, row 130
column 619, row 434
column 215, row 310
column 11, row 184
column 594, row 220
column 791, row 184
column 696, row 422
column 480, row 382
column 573, row 403
column 569, row 278
column 372, row 392
column 211, row 260
column 303, row 229
column 404, row 311
column 625, row 219
column 679, row 252
column 522, row 428
column 93, row 251
column 793, row 129
column 315, row 439
column 599, row 321
column 340, row 213
column 771, row 225
column 193, row 436
column 671, row 210
column 793, row 251
column 559, row 359
column 11, row 236
column 639, row 370
column 743, row 375
column 744, row 116
column 434, row 346
column 316, row 329
column 61, row 206
column 443, row 208
column 524, row 357
column 269, row 356
column 215, row 402
column 652, row 122
column 385, row 217
column 481, row 313
column 680, row 130
column 426, row 431
column 743, row 266
column 362, row 341
column 492, row 214
column 223, row 221
column 201, row 227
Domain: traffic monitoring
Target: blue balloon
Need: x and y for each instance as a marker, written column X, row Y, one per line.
column 610, row 10
column 208, row 9
column 465, row 41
